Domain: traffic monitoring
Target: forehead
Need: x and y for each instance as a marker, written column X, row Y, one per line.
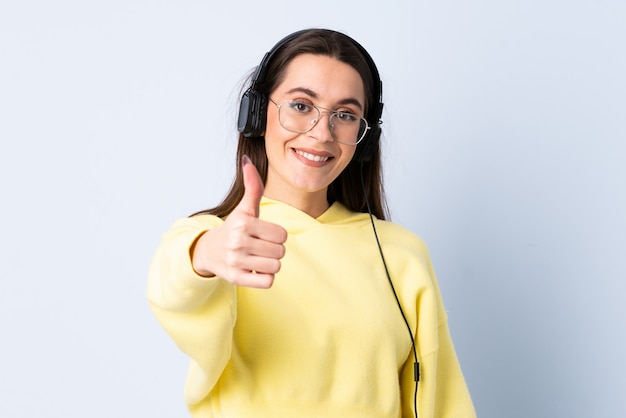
column 330, row 79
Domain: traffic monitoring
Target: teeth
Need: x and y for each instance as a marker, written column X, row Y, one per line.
column 311, row 156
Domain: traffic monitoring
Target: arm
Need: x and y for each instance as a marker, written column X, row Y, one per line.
column 442, row 391
column 199, row 313
column 173, row 284
column 193, row 277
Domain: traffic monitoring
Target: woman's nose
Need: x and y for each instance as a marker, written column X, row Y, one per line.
column 322, row 128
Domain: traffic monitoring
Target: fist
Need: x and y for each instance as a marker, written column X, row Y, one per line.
column 244, row 250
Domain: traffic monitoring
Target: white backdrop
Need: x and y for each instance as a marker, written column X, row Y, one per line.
column 504, row 149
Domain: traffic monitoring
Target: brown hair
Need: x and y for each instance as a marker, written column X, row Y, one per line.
column 346, row 188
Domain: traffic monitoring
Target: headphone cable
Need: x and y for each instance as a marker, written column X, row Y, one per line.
column 416, row 365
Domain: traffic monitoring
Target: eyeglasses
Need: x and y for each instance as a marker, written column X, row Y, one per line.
column 300, row 117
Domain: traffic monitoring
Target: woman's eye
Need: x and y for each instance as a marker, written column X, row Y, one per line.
column 300, row 107
column 346, row 116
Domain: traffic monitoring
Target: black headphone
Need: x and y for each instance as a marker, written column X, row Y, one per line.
column 253, row 106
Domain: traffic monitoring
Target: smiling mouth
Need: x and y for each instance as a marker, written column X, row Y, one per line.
column 311, row 157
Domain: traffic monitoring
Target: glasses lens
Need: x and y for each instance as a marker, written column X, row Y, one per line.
column 347, row 128
column 298, row 116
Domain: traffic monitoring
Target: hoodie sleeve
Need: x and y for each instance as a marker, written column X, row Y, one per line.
column 442, row 391
column 184, row 303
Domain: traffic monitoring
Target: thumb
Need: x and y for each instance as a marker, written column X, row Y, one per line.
column 253, row 188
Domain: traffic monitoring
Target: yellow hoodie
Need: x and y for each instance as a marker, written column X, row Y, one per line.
column 327, row 340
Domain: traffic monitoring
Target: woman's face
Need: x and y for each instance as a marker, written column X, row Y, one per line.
column 301, row 166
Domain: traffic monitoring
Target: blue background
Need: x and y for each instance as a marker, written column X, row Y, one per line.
column 504, row 149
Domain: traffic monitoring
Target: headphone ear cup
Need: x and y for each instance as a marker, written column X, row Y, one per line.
column 252, row 114
column 366, row 148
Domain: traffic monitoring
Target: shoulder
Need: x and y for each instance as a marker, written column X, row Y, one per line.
column 403, row 247
column 390, row 234
column 193, row 224
column 393, row 233
column 393, row 237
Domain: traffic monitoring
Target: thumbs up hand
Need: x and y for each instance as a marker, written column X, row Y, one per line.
column 244, row 250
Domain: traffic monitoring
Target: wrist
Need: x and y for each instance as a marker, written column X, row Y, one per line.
column 195, row 253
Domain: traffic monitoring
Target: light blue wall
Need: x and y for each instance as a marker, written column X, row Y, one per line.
column 504, row 149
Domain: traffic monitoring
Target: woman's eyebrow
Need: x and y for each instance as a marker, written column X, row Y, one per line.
column 314, row 95
column 304, row 90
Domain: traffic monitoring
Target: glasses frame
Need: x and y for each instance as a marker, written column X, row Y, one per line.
column 321, row 110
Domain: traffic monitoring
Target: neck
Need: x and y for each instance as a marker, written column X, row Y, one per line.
column 313, row 204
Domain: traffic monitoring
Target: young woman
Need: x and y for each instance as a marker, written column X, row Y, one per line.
column 294, row 297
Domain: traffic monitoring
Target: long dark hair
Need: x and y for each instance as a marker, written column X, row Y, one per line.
column 346, row 188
